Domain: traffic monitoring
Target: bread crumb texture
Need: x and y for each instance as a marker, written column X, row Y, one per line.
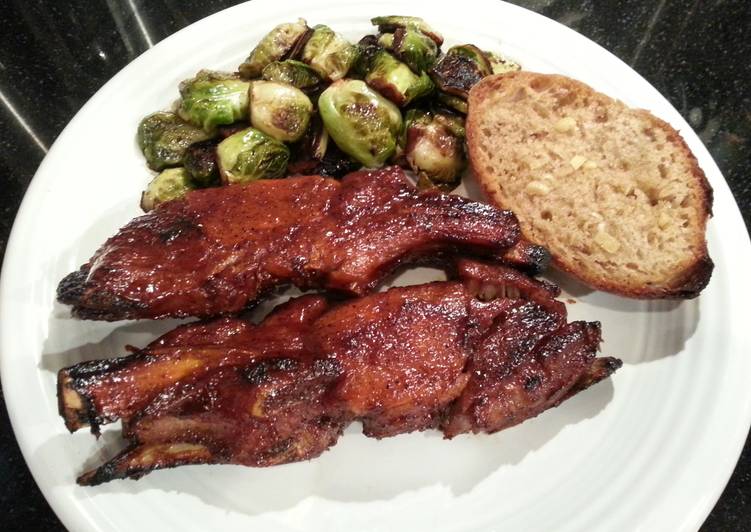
column 613, row 192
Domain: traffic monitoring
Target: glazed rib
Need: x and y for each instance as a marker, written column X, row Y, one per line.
column 220, row 249
column 476, row 354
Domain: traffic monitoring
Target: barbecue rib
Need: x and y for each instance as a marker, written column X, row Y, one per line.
column 477, row 354
column 220, row 249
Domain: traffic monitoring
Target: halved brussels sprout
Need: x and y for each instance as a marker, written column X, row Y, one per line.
column 391, row 23
column 363, row 123
column 433, row 151
column 249, row 155
column 200, row 163
column 414, row 48
column 395, row 80
column 163, row 138
column 274, row 46
column 452, row 102
column 279, row 110
column 171, row 184
column 328, row 53
column 293, row 73
column 501, row 65
column 213, row 98
column 460, row 69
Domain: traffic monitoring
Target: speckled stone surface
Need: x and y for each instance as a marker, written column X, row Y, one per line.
column 55, row 55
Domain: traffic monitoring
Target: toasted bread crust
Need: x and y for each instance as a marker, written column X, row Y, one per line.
column 695, row 266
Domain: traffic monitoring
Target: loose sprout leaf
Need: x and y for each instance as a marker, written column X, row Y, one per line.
column 386, row 40
column 328, row 53
column 163, row 138
column 279, row 110
column 171, row 184
column 249, row 155
column 212, row 99
column 274, row 46
column 453, row 102
column 367, row 48
column 391, row 23
column 363, row 123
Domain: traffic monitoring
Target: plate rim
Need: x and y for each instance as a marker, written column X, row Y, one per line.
column 69, row 514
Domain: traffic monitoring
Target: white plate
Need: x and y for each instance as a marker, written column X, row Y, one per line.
column 650, row 449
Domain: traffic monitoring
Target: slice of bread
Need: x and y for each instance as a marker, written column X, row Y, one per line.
column 614, row 193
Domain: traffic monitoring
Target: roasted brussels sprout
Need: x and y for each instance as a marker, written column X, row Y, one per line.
column 328, row 53
column 434, row 150
column 501, row 65
column 460, row 69
column 274, row 46
column 163, row 138
column 363, row 123
column 249, row 155
column 391, row 23
column 395, row 80
column 414, row 48
column 212, row 99
column 172, row 183
column 410, row 46
column 293, row 73
column 200, row 163
column 279, row 110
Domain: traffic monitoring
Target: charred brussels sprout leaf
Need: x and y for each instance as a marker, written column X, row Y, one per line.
column 200, row 163
column 460, row 69
column 395, row 80
column 391, row 23
column 328, row 53
column 274, row 46
column 308, row 152
column 212, row 99
column 415, row 49
column 163, row 138
column 337, row 164
column 501, row 65
column 293, row 73
column 171, row 184
column 363, row 123
column 279, row 110
column 249, row 155
column 434, row 149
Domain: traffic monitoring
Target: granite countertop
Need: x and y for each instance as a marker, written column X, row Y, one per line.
column 55, row 55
